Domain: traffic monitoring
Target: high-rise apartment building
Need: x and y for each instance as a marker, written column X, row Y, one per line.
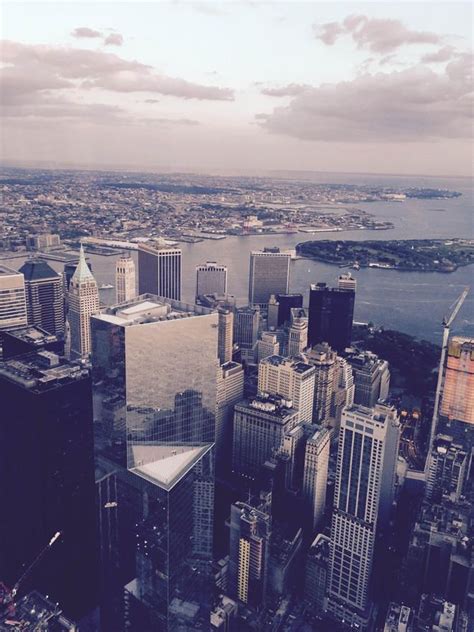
column 159, row 270
column 125, row 285
column 287, row 302
column 12, row 298
column 365, row 477
column 83, row 300
column 211, row 278
column 298, row 332
column 44, row 296
column 269, row 274
column 47, row 478
column 458, row 392
column 259, row 427
column 324, row 361
column 371, row 378
column 290, row 378
column 225, row 335
column 230, row 391
column 250, row 532
column 315, row 475
column 331, row 311
column 157, row 360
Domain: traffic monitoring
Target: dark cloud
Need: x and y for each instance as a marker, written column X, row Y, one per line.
column 30, row 71
column 410, row 105
column 86, row 32
column 114, row 39
column 377, row 35
column 290, row 90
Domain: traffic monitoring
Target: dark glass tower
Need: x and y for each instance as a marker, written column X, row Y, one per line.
column 331, row 311
column 44, row 296
column 286, row 302
column 47, row 479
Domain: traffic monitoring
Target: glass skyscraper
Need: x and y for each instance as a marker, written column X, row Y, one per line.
column 157, row 363
column 331, row 311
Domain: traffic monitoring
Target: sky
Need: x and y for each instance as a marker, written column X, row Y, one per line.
column 222, row 86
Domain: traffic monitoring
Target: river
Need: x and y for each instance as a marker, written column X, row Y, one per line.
column 413, row 302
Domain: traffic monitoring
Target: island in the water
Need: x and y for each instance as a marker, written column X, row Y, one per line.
column 425, row 255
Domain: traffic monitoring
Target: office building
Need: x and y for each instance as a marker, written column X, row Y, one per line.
column 269, row 274
column 458, row 392
column 347, row 282
column 399, row 618
column 157, row 358
column 331, row 311
column 344, row 390
column 285, row 559
column 259, row 427
column 83, row 300
column 69, row 269
column 224, row 615
column 272, row 312
column 365, row 477
column 315, row 475
column 225, row 335
column 230, row 391
column 211, row 278
column 371, row 378
column 317, row 573
column 298, row 332
column 125, row 285
column 35, row 612
column 447, row 472
column 44, row 296
column 290, row 378
column 246, row 327
column 250, row 532
column 287, row 302
column 267, row 345
column 21, row 340
column 45, row 241
column 324, row 361
column 159, row 270
column 12, row 298
column 47, row 478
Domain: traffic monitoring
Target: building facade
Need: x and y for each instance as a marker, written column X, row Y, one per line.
column 331, row 312
column 125, row 285
column 12, row 299
column 315, row 475
column 269, row 274
column 211, row 278
column 226, row 335
column 83, row 301
column 324, row 361
column 458, row 392
column 44, row 296
column 159, row 270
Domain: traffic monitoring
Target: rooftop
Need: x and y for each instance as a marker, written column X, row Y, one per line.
column 32, row 334
column 269, row 404
column 6, row 271
column 296, row 363
column 35, row 612
column 41, row 371
column 37, row 269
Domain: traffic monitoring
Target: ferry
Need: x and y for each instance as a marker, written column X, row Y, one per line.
column 105, row 286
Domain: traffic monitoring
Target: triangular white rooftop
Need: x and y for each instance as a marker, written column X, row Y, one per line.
column 82, row 272
column 165, row 465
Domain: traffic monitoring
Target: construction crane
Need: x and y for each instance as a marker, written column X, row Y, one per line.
column 9, row 598
column 447, row 322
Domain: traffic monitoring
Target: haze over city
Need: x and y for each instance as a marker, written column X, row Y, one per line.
column 239, row 86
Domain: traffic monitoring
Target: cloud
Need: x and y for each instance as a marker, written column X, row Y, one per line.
column 380, row 36
column 114, row 39
column 151, row 101
column 86, row 32
column 290, row 90
column 443, row 54
column 415, row 104
column 33, row 74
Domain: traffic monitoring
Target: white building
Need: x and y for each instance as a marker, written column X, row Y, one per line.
column 83, row 302
column 211, row 278
column 12, row 298
column 125, row 279
column 315, row 476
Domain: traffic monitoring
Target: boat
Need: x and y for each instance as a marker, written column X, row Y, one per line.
column 356, row 266
column 105, row 286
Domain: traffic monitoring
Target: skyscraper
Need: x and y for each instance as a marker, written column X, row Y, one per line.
column 365, row 476
column 331, row 312
column 371, row 378
column 458, row 392
column 157, row 358
column 83, row 302
column 347, row 282
column 246, row 328
column 47, row 478
column 230, row 391
column 290, row 378
column 269, row 274
column 211, row 278
column 287, row 302
column 298, row 332
column 315, row 475
column 324, row 361
column 12, row 298
column 125, row 279
column 266, row 345
column 159, row 270
column 225, row 335
column 44, row 296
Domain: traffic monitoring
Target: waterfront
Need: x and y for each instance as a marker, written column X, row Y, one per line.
column 413, row 302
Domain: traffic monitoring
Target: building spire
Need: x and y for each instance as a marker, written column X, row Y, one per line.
column 82, row 272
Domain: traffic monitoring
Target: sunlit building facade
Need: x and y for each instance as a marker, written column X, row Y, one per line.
column 458, row 391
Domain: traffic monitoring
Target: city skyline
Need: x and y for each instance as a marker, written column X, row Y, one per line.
column 385, row 80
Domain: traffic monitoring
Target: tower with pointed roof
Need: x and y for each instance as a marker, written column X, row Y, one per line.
column 83, row 302
column 44, row 296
